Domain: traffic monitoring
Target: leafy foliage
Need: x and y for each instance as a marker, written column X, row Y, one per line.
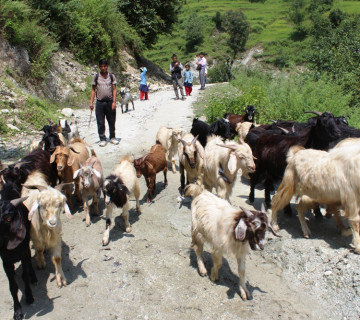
column 150, row 18
column 194, row 34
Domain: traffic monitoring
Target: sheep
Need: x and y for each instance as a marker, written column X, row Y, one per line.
column 91, row 178
column 45, row 204
column 227, row 229
column 68, row 160
column 222, row 162
column 15, row 245
column 169, row 138
column 126, row 97
column 329, row 178
column 117, row 189
column 191, row 155
column 149, row 165
column 235, row 119
column 221, row 127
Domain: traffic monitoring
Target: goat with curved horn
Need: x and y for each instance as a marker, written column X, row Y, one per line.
column 247, row 212
column 16, row 202
column 229, row 146
column 194, row 140
column 73, row 150
column 60, row 186
column 284, row 130
column 318, row 113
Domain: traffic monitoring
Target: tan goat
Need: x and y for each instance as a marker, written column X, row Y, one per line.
column 191, row 155
column 169, row 139
column 222, row 162
column 45, row 205
column 68, row 160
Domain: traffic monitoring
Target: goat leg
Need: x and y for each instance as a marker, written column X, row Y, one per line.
column 317, row 213
column 87, row 211
column 96, row 206
column 151, row 188
column 198, row 246
column 268, row 186
column 125, row 215
column 182, row 177
column 26, row 263
column 106, row 236
column 165, row 178
column 10, row 273
column 217, row 262
column 56, row 260
column 244, row 293
column 252, row 191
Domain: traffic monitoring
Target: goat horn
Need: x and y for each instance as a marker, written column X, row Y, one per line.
column 293, row 128
column 92, row 165
column 183, row 142
column 36, row 186
column 284, row 130
column 229, row 146
column 272, row 231
column 16, row 202
column 19, row 164
column 60, row 186
column 72, row 149
column 194, row 140
column 318, row 113
column 274, row 121
column 247, row 212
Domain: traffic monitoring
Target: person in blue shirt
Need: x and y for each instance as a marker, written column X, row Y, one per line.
column 143, row 85
column 188, row 79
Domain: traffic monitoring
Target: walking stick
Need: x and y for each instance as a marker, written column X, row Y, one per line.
column 88, row 129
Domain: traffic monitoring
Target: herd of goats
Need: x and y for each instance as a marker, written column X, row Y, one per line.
column 318, row 161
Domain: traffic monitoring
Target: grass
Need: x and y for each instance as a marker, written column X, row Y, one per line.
column 269, row 23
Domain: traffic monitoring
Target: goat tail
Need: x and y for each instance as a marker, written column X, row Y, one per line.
column 193, row 190
column 285, row 191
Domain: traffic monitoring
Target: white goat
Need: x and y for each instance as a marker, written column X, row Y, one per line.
column 117, row 188
column 45, row 204
column 222, row 162
column 243, row 128
column 169, row 139
column 91, row 178
column 227, row 229
column 191, row 155
column 330, row 178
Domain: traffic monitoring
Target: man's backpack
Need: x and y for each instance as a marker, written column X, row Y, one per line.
column 97, row 77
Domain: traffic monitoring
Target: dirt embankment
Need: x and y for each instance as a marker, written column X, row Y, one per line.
column 151, row 273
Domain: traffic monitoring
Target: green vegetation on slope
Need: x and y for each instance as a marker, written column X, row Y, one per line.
column 269, row 23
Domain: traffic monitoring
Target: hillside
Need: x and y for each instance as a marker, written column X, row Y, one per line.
column 269, row 23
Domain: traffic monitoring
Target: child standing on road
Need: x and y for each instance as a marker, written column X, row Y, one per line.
column 143, row 85
column 188, row 79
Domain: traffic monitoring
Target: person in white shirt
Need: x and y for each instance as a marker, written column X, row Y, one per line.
column 203, row 69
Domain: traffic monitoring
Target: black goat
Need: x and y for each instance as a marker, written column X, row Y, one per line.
column 37, row 159
column 270, row 150
column 220, row 127
column 15, row 244
column 50, row 138
column 234, row 119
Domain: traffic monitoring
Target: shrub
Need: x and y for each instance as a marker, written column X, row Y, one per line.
column 3, row 127
column 194, row 34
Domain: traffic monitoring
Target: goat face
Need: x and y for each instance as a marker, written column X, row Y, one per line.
column 245, row 156
column 222, row 128
column 115, row 191
column 326, row 127
column 62, row 157
column 190, row 153
column 250, row 113
column 51, row 140
column 86, row 175
column 139, row 165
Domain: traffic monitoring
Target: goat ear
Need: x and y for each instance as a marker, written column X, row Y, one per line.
column 71, row 159
column 200, row 150
column 33, row 209
column 76, row 173
column 240, row 230
column 97, row 173
column 17, row 233
column 232, row 163
column 67, row 211
column 52, row 158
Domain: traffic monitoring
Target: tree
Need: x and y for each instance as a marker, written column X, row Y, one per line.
column 238, row 28
column 194, row 32
column 150, row 18
column 218, row 20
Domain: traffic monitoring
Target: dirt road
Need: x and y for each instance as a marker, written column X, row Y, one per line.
column 151, row 273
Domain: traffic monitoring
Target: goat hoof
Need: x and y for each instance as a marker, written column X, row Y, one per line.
column 307, row 236
column 166, row 183
column 18, row 315
column 105, row 242
column 128, row 229
column 275, row 226
column 148, row 200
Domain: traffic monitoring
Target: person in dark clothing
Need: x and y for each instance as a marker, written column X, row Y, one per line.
column 104, row 87
column 175, row 70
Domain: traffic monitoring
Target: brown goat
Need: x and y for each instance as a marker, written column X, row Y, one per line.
column 68, row 160
column 149, row 165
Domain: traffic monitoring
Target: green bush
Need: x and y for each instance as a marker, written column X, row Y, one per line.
column 38, row 112
column 3, row 127
column 285, row 96
column 194, row 34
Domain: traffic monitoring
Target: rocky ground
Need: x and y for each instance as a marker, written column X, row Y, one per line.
column 151, row 273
